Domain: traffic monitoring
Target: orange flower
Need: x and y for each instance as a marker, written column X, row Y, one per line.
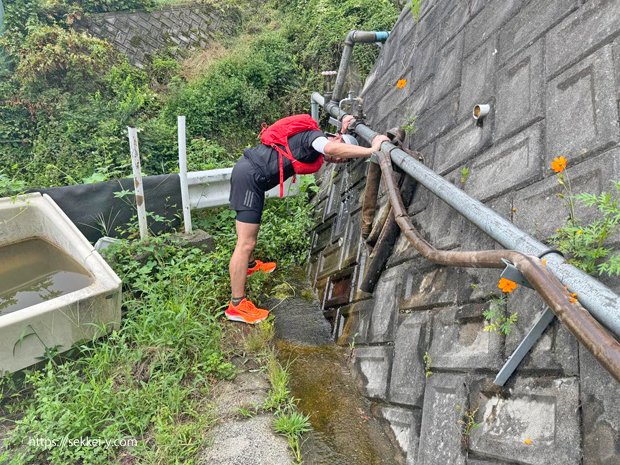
column 401, row 83
column 573, row 298
column 506, row 285
column 559, row 164
column 544, row 262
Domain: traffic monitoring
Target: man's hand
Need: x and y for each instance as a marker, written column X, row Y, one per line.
column 346, row 121
column 377, row 141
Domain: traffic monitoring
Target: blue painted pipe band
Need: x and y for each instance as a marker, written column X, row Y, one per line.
column 382, row 36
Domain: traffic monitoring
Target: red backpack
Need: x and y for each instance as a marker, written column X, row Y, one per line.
column 276, row 136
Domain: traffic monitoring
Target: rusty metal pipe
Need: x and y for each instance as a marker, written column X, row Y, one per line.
column 369, row 203
column 389, row 234
column 380, row 254
column 379, row 226
column 577, row 319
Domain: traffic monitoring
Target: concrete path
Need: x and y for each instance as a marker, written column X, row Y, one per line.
column 244, row 441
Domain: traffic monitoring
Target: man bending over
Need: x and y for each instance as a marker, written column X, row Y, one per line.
column 260, row 169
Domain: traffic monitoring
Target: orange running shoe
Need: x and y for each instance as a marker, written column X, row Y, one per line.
column 265, row 267
column 246, row 312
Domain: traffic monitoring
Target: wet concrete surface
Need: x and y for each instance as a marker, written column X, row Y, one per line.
column 344, row 430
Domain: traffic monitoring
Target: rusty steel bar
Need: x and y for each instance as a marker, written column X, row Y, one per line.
column 577, row 319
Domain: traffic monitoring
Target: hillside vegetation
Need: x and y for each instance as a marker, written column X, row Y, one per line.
column 65, row 101
column 67, row 97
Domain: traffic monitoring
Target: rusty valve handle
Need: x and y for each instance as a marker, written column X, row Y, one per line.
column 577, row 319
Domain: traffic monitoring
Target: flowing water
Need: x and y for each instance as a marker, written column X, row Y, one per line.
column 33, row 271
column 344, row 430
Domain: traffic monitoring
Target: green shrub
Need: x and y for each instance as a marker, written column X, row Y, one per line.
column 237, row 94
column 587, row 244
column 317, row 29
column 54, row 58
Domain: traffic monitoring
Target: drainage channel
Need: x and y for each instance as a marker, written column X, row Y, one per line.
column 345, row 431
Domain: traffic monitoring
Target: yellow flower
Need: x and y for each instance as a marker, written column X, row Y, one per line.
column 544, row 262
column 401, row 83
column 572, row 298
column 528, row 442
column 506, row 285
column 579, row 231
column 559, row 164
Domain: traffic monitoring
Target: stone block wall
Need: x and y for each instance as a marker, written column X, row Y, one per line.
column 550, row 69
column 140, row 34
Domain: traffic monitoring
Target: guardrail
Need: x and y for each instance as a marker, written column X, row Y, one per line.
column 209, row 189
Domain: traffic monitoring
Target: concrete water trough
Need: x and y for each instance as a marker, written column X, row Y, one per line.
column 55, row 289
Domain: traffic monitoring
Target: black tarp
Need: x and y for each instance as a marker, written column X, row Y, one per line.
column 97, row 212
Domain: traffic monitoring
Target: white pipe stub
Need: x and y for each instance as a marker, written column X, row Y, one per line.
column 480, row 111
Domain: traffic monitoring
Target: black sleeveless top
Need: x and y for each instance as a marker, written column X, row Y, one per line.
column 266, row 160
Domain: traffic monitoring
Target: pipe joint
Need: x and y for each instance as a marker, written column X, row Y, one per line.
column 350, row 39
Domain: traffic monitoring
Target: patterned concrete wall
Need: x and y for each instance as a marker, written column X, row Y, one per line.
column 140, row 34
column 551, row 71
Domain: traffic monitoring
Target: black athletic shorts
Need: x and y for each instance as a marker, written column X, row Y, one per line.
column 247, row 192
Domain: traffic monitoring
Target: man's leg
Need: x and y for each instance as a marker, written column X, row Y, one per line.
column 238, row 268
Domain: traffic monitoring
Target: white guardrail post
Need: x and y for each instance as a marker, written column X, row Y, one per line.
column 137, row 181
column 187, row 215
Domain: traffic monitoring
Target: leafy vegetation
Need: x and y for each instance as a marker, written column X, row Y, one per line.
column 66, row 98
column 147, row 380
column 464, row 174
column 467, row 423
column 428, row 365
column 498, row 319
column 586, row 242
column 416, row 7
column 410, row 125
column 317, row 29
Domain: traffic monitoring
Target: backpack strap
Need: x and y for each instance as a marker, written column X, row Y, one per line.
column 286, row 152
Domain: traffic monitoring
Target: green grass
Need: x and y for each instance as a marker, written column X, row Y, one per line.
column 288, row 421
column 150, row 380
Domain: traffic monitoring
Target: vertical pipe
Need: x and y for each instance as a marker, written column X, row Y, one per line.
column 1, row 18
column 353, row 37
column 314, row 110
column 187, row 215
column 342, row 70
column 137, row 181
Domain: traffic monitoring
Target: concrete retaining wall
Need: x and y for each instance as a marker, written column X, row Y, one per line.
column 551, row 71
column 140, row 34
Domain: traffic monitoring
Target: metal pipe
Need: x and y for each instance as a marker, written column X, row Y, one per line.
column 314, row 110
column 601, row 301
column 369, row 203
column 588, row 331
column 354, row 37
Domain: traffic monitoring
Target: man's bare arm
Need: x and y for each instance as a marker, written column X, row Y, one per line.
column 340, row 150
